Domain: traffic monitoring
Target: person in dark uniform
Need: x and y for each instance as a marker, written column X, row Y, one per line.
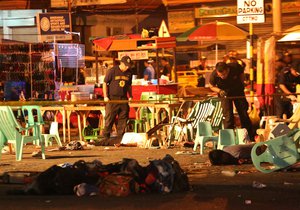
column 166, row 70
column 117, row 86
column 228, row 81
column 287, row 80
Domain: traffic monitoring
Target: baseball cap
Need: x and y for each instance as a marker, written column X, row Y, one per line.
column 150, row 60
column 126, row 60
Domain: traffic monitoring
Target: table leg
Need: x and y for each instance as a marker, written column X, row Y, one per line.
column 68, row 124
column 79, row 125
column 64, row 125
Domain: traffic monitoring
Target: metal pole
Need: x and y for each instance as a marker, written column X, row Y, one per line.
column 97, row 67
column 136, row 17
column 251, row 63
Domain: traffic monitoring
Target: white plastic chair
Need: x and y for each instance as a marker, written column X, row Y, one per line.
column 53, row 133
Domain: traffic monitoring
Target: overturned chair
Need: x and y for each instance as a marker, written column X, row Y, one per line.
column 277, row 153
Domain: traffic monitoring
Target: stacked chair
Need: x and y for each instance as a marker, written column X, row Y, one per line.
column 185, row 127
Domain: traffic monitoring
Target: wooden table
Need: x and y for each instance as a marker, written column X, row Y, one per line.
column 81, row 111
column 139, row 105
column 169, row 108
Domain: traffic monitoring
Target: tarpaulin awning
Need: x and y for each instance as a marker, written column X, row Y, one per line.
column 106, row 42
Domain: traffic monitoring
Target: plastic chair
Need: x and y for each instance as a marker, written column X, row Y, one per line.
column 151, row 97
column 90, row 133
column 204, row 134
column 53, row 134
column 216, row 119
column 241, row 136
column 2, row 142
column 280, row 152
column 226, row 138
column 33, row 117
column 139, row 125
column 13, row 132
column 200, row 112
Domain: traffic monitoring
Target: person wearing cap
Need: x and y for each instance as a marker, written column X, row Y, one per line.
column 227, row 80
column 287, row 80
column 233, row 57
column 202, row 65
column 149, row 71
column 117, row 86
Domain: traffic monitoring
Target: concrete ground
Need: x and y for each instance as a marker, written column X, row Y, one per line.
column 212, row 187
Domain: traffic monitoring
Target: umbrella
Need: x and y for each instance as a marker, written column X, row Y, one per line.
column 214, row 31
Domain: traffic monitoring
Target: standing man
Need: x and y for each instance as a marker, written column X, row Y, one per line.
column 287, row 80
column 117, row 86
column 228, row 81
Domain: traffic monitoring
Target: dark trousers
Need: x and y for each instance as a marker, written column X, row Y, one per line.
column 283, row 106
column 112, row 110
column 241, row 105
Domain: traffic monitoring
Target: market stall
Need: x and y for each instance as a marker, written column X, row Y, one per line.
column 139, row 49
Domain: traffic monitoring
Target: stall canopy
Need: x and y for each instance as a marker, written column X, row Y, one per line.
column 134, row 46
column 291, row 34
column 105, row 43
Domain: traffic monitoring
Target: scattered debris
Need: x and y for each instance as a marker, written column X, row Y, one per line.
column 185, row 153
column 36, row 154
column 288, row 183
column 258, row 185
column 228, row 173
column 248, row 202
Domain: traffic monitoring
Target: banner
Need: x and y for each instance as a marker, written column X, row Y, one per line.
column 54, row 26
column 134, row 55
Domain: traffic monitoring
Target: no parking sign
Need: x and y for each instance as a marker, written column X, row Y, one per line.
column 250, row 11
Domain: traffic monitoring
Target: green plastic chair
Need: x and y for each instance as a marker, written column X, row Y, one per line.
column 280, row 152
column 13, row 132
column 53, row 134
column 241, row 136
column 204, row 134
column 216, row 119
column 90, row 133
column 33, row 117
column 2, row 142
column 226, row 138
column 151, row 97
column 138, row 125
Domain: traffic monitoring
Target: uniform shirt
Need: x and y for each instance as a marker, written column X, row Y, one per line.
column 118, row 82
column 150, row 72
column 290, row 81
column 232, row 84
